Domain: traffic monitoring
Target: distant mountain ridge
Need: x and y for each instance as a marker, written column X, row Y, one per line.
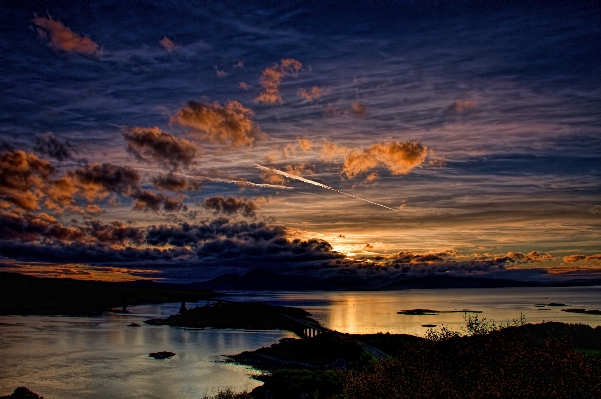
column 263, row 280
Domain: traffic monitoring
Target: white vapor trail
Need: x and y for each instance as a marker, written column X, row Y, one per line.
column 318, row 184
column 220, row 180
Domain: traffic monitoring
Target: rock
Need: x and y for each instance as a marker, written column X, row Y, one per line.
column 162, row 355
column 133, row 325
column 22, row 393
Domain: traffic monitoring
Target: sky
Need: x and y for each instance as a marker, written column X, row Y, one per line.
column 179, row 141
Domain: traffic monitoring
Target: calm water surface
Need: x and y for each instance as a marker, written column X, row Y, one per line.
column 100, row 357
column 365, row 312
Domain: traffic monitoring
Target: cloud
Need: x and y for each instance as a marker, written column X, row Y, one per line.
column 115, row 232
column 97, row 180
column 175, row 182
column 221, row 73
column 271, row 78
column 23, row 177
column 231, row 205
column 30, row 227
column 167, row 44
column 578, row 257
column 462, row 106
column 49, row 144
column 215, row 240
column 358, row 110
column 145, row 200
column 398, row 157
column 305, row 144
column 299, row 170
column 329, row 151
column 313, row 93
column 231, row 124
column 530, row 257
column 63, row 38
column 272, row 178
column 244, row 86
column 372, row 176
column 154, row 144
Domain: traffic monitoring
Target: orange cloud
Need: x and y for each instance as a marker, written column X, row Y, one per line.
column 167, row 44
column 298, row 170
column 358, row 110
column 271, row 78
column 231, row 124
column 272, row 178
column 305, row 144
column 23, row 179
column 244, row 86
column 532, row 256
column 63, row 38
column 311, row 94
column 221, row 73
column 330, row 150
column 372, row 176
column 398, row 157
column 578, row 257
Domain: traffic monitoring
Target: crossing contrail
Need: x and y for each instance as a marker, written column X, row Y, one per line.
column 318, row 184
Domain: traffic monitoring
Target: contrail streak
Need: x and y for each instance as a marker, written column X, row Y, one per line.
column 318, row 184
column 220, row 180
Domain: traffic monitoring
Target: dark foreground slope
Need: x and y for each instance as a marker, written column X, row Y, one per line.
column 549, row 360
column 20, row 294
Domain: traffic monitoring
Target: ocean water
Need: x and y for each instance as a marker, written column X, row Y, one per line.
column 101, row 357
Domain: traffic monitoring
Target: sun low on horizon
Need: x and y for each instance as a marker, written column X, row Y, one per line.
column 180, row 143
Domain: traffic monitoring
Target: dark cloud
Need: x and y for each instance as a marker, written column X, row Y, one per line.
column 175, row 182
column 231, row 205
column 115, row 232
column 33, row 227
column 98, row 180
column 153, row 144
column 212, row 240
column 231, row 124
column 89, row 253
column 49, row 144
column 145, row 200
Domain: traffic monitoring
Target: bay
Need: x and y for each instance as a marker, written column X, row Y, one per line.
column 101, row 357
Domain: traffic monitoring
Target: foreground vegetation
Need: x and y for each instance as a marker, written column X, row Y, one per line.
column 514, row 360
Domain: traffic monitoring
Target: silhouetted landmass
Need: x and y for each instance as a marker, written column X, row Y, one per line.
column 162, row 355
column 20, row 294
column 252, row 316
column 583, row 311
column 22, row 393
column 259, row 279
column 529, row 361
column 429, row 312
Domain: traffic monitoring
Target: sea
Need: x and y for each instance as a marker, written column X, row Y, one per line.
column 103, row 357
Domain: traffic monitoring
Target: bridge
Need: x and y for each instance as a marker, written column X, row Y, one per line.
column 311, row 329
